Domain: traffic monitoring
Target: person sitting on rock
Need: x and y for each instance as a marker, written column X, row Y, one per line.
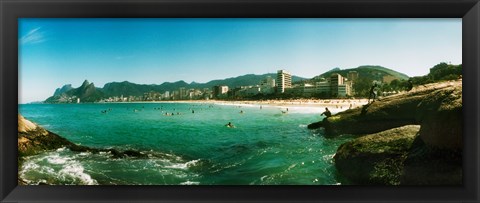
column 327, row 113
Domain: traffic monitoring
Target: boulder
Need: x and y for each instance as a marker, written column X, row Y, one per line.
column 426, row 165
column 377, row 158
column 436, row 107
column 33, row 139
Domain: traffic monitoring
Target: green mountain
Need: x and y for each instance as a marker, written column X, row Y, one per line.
column 87, row 92
column 64, row 89
column 368, row 72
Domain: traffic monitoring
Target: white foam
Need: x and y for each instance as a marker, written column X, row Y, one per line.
column 70, row 170
column 183, row 165
column 57, row 159
column 190, row 183
column 76, row 171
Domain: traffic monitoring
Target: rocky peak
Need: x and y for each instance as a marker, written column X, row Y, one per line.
column 85, row 83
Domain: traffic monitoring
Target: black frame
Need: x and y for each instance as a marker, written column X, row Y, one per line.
column 10, row 10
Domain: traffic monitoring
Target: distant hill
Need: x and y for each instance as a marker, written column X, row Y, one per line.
column 368, row 72
column 89, row 93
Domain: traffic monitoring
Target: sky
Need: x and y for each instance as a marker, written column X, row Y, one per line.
column 54, row 52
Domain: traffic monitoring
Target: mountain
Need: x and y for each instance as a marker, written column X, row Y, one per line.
column 368, row 72
column 244, row 80
column 65, row 88
column 87, row 92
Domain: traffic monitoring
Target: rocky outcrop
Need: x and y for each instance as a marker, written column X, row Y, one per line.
column 427, row 165
column 433, row 158
column 377, row 158
column 436, row 107
column 33, row 139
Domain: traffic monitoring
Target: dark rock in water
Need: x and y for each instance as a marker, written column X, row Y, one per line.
column 315, row 125
column 376, row 158
column 33, row 139
column 426, row 165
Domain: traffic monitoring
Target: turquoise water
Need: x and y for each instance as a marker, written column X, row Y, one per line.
column 266, row 147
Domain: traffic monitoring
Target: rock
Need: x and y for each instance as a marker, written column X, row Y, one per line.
column 441, row 117
column 377, row 158
column 25, row 125
column 426, row 165
column 436, row 107
column 33, row 139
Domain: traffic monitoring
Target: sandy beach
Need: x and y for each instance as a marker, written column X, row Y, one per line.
column 312, row 105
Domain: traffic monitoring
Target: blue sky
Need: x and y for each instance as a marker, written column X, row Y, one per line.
column 54, row 52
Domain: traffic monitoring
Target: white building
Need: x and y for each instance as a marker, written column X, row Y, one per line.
column 284, row 80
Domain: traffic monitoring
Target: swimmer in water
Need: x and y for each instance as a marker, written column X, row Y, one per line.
column 230, row 125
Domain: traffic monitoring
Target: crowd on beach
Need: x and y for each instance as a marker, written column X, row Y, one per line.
column 336, row 105
column 331, row 103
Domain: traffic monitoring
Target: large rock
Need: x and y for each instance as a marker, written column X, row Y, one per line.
column 426, row 165
column 33, row 139
column 441, row 117
column 376, row 158
column 436, row 107
column 433, row 158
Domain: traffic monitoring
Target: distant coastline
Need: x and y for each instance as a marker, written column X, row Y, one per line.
column 340, row 104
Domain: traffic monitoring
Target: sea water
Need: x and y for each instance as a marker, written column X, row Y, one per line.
column 268, row 145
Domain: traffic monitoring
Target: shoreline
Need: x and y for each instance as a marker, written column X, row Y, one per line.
column 336, row 105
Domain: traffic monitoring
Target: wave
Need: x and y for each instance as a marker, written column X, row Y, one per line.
column 183, row 166
column 54, row 168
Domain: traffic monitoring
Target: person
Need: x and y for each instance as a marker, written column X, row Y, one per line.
column 327, row 113
column 230, row 125
column 373, row 94
column 409, row 85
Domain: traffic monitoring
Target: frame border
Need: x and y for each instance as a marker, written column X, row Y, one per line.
column 11, row 10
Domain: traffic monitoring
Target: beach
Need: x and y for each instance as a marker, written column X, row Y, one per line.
column 334, row 105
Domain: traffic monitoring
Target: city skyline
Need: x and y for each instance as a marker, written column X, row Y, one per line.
column 54, row 52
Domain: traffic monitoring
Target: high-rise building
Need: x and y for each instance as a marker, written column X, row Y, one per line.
column 335, row 81
column 284, row 80
column 220, row 91
column 267, row 85
column 183, row 93
column 352, row 75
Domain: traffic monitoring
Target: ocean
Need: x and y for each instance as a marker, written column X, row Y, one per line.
column 191, row 147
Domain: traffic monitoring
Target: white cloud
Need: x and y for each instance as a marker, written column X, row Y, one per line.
column 33, row 37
